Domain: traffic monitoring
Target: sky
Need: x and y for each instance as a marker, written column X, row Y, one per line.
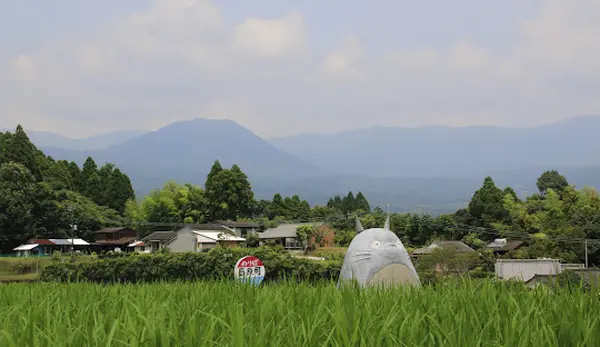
column 282, row 67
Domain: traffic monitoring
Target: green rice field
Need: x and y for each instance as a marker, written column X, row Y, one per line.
column 287, row 314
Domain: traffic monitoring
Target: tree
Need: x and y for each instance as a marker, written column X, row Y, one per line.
column 277, row 207
column 116, row 188
column 173, row 203
column 76, row 176
column 18, row 192
column 21, row 150
column 487, row 203
column 305, row 233
column 362, row 203
column 551, row 179
column 348, row 203
column 229, row 195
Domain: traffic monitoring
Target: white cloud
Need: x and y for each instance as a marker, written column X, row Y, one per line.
column 274, row 38
column 24, row 68
column 182, row 59
column 345, row 59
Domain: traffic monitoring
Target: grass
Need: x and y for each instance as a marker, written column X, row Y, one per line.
column 226, row 314
column 29, row 268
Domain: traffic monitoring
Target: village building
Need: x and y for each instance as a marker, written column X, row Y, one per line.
column 286, row 235
column 113, row 239
column 503, row 246
column 195, row 238
column 45, row 247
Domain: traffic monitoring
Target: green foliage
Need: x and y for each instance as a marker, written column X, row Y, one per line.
column 487, row 203
column 40, row 197
column 214, row 264
column 228, row 193
column 174, row 203
column 305, row 234
column 350, row 203
column 551, row 179
column 223, row 313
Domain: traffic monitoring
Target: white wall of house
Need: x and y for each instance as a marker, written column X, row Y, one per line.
column 205, row 243
column 525, row 269
column 185, row 241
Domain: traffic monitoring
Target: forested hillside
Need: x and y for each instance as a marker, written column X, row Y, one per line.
column 41, row 197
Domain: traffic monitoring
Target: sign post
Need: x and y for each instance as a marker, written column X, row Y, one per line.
column 250, row 269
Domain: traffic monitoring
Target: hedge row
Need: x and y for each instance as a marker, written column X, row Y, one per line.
column 215, row 264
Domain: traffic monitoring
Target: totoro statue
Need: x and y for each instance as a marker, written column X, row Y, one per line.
column 377, row 257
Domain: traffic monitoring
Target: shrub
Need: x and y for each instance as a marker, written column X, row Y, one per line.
column 215, row 264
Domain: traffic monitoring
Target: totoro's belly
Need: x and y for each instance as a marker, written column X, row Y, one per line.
column 393, row 274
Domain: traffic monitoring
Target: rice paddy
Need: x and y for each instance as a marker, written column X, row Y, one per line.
column 289, row 314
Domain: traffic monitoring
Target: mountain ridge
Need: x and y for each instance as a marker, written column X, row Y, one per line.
column 436, row 168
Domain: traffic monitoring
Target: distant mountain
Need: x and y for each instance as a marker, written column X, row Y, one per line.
column 185, row 151
column 431, row 170
column 46, row 139
column 439, row 151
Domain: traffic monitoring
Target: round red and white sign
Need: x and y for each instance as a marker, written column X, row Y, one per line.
column 250, row 269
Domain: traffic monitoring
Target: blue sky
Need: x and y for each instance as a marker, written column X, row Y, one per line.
column 283, row 67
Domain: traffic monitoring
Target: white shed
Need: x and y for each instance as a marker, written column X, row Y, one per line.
column 525, row 269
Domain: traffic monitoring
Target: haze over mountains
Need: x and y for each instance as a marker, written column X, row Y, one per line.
column 434, row 168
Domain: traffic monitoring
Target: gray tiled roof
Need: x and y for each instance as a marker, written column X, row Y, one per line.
column 456, row 246
column 283, row 230
column 160, row 236
column 509, row 245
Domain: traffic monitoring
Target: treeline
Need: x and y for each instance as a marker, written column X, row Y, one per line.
column 44, row 198
column 228, row 195
column 41, row 197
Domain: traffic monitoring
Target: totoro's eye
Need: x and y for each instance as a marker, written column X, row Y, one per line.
column 398, row 243
column 375, row 244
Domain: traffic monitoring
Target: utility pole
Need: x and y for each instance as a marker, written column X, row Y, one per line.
column 586, row 253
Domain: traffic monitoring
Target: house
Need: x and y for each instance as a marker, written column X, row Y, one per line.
column 458, row 263
column 286, row 235
column 158, row 240
column 138, row 247
column 454, row 246
column 241, row 229
column 503, row 246
column 192, row 239
column 44, row 247
column 527, row 269
column 110, row 239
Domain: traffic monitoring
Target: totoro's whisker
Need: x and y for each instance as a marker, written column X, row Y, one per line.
column 361, row 259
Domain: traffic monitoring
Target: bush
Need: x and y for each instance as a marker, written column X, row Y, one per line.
column 215, row 264
column 22, row 268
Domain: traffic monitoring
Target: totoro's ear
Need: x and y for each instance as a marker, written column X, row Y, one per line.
column 359, row 226
column 387, row 223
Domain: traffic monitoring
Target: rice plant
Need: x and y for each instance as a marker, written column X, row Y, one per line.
column 290, row 314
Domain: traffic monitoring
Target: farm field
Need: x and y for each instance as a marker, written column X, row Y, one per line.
column 468, row 313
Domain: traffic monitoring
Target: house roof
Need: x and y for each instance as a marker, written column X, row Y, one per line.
column 41, row 242
column 232, row 224
column 161, row 236
column 504, row 245
column 120, row 242
column 109, row 230
column 208, row 226
column 218, row 236
column 26, row 247
column 136, row 244
column 68, row 242
column 283, row 230
column 457, row 246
